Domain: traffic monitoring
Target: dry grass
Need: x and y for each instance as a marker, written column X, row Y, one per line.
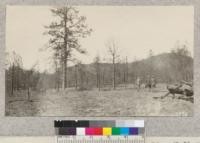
column 120, row 102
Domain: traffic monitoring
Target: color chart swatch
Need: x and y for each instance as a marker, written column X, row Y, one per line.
column 99, row 128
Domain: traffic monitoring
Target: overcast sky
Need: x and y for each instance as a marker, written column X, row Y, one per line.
column 137, row 29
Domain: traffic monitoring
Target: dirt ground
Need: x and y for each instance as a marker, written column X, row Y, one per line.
column 119, row 102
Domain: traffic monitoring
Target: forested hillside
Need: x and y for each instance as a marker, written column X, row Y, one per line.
column 165, row 68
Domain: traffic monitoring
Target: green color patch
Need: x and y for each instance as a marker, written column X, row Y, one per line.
column 115, row 131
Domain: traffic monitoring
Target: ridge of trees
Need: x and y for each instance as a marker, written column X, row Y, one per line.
column 166, row 68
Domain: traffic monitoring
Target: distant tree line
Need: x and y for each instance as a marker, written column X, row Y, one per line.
column 165, row 68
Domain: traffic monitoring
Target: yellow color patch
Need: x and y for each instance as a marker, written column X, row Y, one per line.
column 107, row 131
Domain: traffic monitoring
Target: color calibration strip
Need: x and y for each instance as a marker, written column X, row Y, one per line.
column 100, row 128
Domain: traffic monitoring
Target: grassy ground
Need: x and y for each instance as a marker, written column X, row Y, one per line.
column 119, row 102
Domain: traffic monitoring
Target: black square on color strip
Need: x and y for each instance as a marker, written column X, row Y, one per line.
column 58, row 123
column 71, row 123
column 67, row 131
column 61, row 131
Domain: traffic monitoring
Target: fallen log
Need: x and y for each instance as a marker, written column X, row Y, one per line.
column 183, row 89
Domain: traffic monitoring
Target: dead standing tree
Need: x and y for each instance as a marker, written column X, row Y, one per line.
column 65, row 33
column 30, row 81
column 98, row 71
column 125, row 72
column 113, row 51
column 14, row 65
column 76, row 75
column 151, row 68
column 82, row 76
column 57, row 70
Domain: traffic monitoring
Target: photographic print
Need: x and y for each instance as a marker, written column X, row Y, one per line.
column 99, row 61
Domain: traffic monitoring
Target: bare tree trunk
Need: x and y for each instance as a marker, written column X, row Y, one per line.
column 16, row 79
column 87, row 80
column 103, row 76
column 65, row 54
column 12, row 80
column 99, row 85
column 125, row 78
column 99, row 77
column 76, row 82
column 64, row 74
column 126, row 69
column 28, row 93
column 81, row 78
column 56, row 76
column 66, row 85
column 114, row 70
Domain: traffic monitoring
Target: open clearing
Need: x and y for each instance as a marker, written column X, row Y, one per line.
column 120, row 102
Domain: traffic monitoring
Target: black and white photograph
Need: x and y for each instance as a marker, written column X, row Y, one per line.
column 99, row 61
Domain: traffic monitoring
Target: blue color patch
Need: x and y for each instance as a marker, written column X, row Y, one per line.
column 124, row 131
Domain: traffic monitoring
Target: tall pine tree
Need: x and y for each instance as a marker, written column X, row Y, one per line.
column 65, row 33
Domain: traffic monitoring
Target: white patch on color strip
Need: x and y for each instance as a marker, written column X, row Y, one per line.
column 80, row 131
